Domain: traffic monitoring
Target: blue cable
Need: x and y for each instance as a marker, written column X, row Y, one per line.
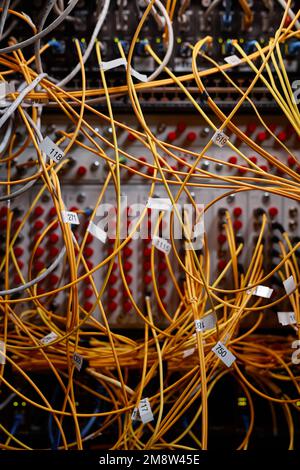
column 19, row 419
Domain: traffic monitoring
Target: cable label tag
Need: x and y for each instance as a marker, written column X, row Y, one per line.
column 286, row 318
column 289, row 285
column 224, row 354
column 2, row 352
column 97, row 232
column 261, row 291
column 145, row 411
column 70, row 217
column 51, row 150
column 112, row 64
column 160, row 203
column 49, row 338
column 219, row 138
column 161, row 244
column 233, row 60
column 206, row 323
column 77, row 360
column 188, row 352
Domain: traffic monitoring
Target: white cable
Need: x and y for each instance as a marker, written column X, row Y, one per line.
column 291, row 13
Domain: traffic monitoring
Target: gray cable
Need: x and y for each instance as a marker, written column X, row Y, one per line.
column 27, row 186
column 7, row 136
column 47, row 9
column 90, row 46
column 5, row 6
column 213, row 5
column 60, row 8
column 43, row 33
column 9, row 111
column 39, row 278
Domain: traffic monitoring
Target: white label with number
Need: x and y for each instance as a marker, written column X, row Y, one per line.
column 145, row 411
column 289, row 285
column 206, row 323
column 77, row 361
column 70, row 217
column 97, row 232
column 233, row 60
column 220, row 139
column 160, row 203
column 161, row 244
column 286, row 318
column 49, row 338
column 2, row 352
column 51, row 150
column 224, row 354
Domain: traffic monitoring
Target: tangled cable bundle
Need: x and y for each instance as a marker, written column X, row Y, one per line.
column 97, row 386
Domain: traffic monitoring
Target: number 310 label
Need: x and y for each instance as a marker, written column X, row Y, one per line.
column 51, row 150
column 220, row 139
column 224, row 354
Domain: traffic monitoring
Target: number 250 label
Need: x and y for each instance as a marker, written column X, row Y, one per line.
column 224, row 354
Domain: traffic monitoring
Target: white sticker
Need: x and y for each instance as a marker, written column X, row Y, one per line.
column 51, row 150
column 286, row 318
column 77, row 360
column 206, row 323
column 112, row 64
column 2, row 352
column 261, row 291
column 224, row 354
column 289, row 285
column 97, row 232
column 188, row 352
column 6, row 88
column 49, row 338
column 220, row 139
column 161, row 244
column 160, row 203
column 233, row 60
column 70, row 217
column 145, row 411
